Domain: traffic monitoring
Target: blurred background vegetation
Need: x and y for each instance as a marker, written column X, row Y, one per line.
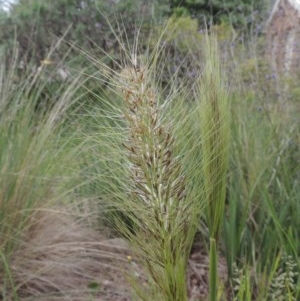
column 36, row 28
column 36, row 25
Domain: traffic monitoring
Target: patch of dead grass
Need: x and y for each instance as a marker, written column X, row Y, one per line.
column 63, row 259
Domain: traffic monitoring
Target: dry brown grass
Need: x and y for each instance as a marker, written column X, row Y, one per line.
column 62, row 258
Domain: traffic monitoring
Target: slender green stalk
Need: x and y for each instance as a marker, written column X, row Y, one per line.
column 215, row 135
column 213, row 260
column 215, row 126
column 8, row 274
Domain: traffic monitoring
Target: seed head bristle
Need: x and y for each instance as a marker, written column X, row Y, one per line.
column 155, row 172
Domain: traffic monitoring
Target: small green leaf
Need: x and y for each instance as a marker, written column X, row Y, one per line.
column 94, row 286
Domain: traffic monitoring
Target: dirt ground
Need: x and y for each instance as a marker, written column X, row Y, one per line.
column 62, row 260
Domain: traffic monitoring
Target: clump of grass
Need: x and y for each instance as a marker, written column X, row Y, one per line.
column 159, row 187
column 261, row 216
column 38, row 160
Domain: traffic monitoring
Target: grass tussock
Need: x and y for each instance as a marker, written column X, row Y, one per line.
column 160, row 197
column 33, row 162
column 38, row 159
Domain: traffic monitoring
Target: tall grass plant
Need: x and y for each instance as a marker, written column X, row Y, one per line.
column 38, row 159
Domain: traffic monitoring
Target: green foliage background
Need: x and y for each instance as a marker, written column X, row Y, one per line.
column 239, row 13
column 36, row 25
